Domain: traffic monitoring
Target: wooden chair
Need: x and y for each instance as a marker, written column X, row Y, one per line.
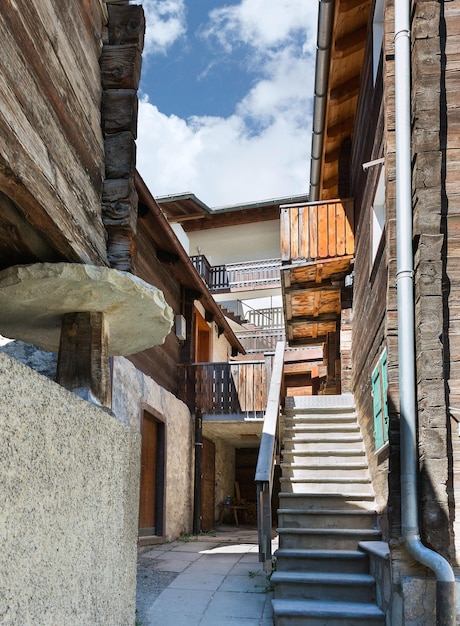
column 237, row 505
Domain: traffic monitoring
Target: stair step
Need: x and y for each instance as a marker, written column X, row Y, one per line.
column 325, row 464
column 324, row 486
column 323, row 446
column 342, row 402
column 328, row 436
column 292, row 424
column 344, row 500
column 324, row 518
column 324, row 586
column 325, row 458
column 328, row 473
column 351, row 561
column 297, row 612
column 327, row 538
column 315, row 477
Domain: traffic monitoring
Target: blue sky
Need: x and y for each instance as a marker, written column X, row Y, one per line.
column 226, row 98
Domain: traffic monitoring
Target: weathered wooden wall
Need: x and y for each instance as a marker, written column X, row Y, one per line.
column 51, row 145
column 436, row 178
column 371, row 277
column 159, row 362
column 436, row 173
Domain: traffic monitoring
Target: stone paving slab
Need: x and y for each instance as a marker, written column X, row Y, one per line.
column 211, row 583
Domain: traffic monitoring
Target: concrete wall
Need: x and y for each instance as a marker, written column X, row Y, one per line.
column 133, row 392
column 68, row 523
column 237, row 244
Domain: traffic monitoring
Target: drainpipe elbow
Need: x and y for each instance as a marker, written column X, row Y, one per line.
column 429, row 558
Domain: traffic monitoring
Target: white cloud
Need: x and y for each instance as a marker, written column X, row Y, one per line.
column 261, row 151
column 261, row 23
column 165, row 23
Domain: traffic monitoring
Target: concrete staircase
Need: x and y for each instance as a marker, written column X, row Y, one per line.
column 326, row 508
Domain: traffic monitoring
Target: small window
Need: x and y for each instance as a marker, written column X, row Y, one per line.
column 378, row 215
column 377, row 36
column 380, row 401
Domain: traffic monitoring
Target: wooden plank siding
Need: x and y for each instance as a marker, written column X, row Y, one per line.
column 319, row 230
column 159, row 362
column 224, row 388
column 50, row 96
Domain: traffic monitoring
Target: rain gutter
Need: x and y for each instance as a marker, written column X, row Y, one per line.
column 323, row 54
column 445, row 579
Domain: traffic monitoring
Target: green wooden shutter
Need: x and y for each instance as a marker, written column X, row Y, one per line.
column 379, row 381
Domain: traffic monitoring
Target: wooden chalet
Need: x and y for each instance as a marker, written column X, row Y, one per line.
column 356, row 159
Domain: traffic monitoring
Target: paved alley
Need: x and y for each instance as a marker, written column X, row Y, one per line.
column 207, row 581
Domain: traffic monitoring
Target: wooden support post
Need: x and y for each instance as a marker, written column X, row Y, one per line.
column 83, row 361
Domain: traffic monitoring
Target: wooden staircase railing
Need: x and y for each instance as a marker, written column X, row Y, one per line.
column 266, row 459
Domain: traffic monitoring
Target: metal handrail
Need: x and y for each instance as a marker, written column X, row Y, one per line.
column 266, row 459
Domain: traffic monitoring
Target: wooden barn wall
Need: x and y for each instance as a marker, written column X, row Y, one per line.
column 159, row 362
column 436, row 192
column 51, row 147
column 370, row 281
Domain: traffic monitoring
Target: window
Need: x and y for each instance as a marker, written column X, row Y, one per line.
column 378, row 215
column 380, row 400
column 377, row 36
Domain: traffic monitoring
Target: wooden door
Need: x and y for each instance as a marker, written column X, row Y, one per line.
column 202, row 339
column 152, row 477
column 208, row 460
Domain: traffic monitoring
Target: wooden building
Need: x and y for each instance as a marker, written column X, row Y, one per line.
column 354, row 156
column 71, row 199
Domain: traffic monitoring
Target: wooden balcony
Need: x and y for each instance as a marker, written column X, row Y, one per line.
column 246, row 276
column 236, row 389
column 317, row 252
column 318, row 230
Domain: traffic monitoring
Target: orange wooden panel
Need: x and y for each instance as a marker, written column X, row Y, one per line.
column 322, row 231
column 340, row 221
column 303, row 230
column 332, row 230
column 294, row 214
column 313, row 223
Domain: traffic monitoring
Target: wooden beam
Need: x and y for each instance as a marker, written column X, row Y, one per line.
column 83, row 359
column 344, row 127
column 317, row 304
column 330, row 183
column 315, row 319
column 348, row 5
column 308, row 341
column 332, row 156
column 345, row 91
column 319, row 273
column 296, row 290
column 351, row 43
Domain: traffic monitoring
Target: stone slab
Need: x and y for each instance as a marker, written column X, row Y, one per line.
column 34, row 299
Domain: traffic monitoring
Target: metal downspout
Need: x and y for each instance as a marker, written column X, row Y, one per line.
column 445, row 580
column 323, row 52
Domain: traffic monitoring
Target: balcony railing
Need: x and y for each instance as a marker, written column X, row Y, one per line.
column 317, row 230
column 225, row 388
column 266, row 318
column 238, row 276
column 260, row 340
